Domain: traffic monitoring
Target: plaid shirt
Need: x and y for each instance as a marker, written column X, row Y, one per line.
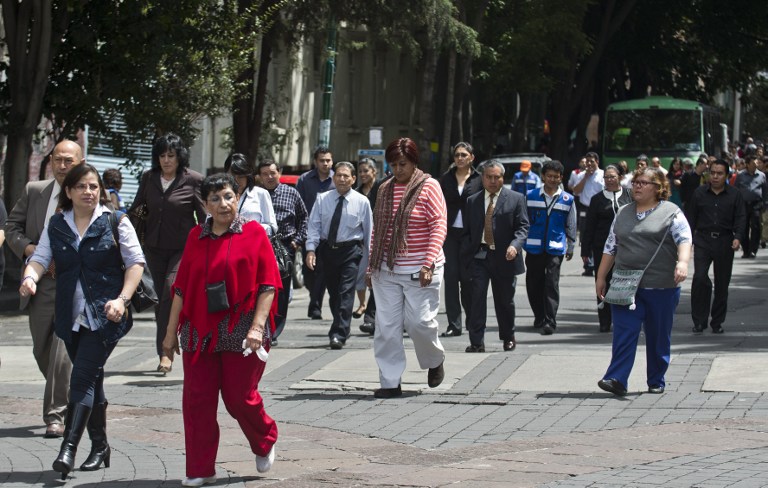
column 291, row 214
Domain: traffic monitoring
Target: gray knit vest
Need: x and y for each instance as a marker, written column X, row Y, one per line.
column 638, row 240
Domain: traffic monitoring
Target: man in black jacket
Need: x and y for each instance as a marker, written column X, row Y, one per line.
column 497, row 226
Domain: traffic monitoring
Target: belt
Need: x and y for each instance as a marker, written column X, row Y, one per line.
column 714, row 235
column 340, row 245
column 491, row 247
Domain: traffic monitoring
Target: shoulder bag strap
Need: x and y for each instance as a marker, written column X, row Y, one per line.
column 662, row 241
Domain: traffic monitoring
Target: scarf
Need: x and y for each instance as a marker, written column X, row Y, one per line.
column 383, row 219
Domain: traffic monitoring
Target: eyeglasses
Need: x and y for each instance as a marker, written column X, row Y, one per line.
column 610, row 177
column 643, row 183
column 81, row 187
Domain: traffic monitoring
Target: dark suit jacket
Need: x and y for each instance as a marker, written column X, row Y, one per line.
column 171, row 214
column 510, row 228
column 27, row 220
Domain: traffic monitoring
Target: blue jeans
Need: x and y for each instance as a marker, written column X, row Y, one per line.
column 655, row 312
column 88, row 354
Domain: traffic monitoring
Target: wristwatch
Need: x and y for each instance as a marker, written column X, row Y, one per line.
column 125, row 299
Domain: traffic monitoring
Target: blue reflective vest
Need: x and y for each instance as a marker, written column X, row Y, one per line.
column 523, row 184
column 548, row 232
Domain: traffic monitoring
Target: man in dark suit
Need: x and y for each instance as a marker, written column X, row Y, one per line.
column 23, row 229
column 497, row 226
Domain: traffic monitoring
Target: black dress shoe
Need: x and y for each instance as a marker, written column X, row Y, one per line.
column 315, row 316
column 612, row 385
column 605, row 328
column 435, row 376
column 474, row 348
column 336, row 343
column 451, row 332
column 547, row 329
column 538, row 325
column 510, row 345
column 587, row 272
column 698, row 329
column 656, row 389
column 388, row 392
column 717, row 329
column 368, row 328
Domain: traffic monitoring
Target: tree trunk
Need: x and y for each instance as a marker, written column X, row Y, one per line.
column 571, row 92
column 426, row 105
column 257, row 122
column 445, row 147
column 31, row 45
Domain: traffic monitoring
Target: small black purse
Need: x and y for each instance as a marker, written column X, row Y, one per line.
column 216, row 293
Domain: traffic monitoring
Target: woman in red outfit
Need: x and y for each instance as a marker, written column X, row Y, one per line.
column 223, row 301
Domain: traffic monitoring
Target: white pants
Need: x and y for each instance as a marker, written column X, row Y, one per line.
column 401, row 303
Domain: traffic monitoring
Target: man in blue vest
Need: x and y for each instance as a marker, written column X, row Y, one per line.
column 525, row 180
column 552, row 214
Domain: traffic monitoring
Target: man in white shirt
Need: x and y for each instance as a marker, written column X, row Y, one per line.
column 590, row 183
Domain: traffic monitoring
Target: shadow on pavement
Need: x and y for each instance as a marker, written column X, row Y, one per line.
column 19, row 432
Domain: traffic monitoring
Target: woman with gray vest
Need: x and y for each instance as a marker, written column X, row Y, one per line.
column 97, row 272
column 639, row 229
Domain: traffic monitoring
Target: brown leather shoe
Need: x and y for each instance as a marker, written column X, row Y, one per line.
column 54, row 431
column 510, row 345
column 435, row 376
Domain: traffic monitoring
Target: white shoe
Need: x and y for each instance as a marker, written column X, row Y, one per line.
column 199, row 481
column 264, row 463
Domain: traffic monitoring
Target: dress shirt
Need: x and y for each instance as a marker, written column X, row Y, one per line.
column 356, row 218
column 309, row 186
column 290, row 213
column 356, row 223
column 130, row 249
column 753, row 186
column 593, row 184
column 723, row 212
column 256, row 204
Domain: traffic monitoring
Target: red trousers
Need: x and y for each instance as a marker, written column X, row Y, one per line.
column 237, row 378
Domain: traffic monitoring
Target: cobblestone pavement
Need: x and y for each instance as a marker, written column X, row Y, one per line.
column 533, row 417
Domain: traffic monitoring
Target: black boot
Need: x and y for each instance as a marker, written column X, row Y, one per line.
column 77, row 418
column 97, row 430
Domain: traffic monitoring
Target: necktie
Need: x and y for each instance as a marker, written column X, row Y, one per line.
column 335, row 221
column 488, row 228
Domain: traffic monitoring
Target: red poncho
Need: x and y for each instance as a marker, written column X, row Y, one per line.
column 251, row 264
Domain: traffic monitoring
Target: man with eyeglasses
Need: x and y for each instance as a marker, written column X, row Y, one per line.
column 552, row 234
column 717, row 217
column 23, row 230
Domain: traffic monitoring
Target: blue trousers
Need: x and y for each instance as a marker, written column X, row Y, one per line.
column 89, row 354
column 655, row 310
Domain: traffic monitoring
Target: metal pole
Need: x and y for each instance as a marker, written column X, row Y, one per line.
column 330, row 71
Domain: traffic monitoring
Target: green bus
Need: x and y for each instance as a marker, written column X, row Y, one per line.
column 663, row 127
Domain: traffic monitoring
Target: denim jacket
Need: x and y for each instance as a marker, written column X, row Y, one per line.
column 98, row 265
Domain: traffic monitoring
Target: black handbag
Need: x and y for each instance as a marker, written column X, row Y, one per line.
column 283, row 257
column 145, row 296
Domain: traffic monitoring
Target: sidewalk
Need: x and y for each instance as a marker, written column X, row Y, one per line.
column 533, row 417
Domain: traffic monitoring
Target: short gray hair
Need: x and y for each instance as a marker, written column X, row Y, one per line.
column 346, row 164
column 492, row 163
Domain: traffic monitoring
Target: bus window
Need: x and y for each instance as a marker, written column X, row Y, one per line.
column 653, row 130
